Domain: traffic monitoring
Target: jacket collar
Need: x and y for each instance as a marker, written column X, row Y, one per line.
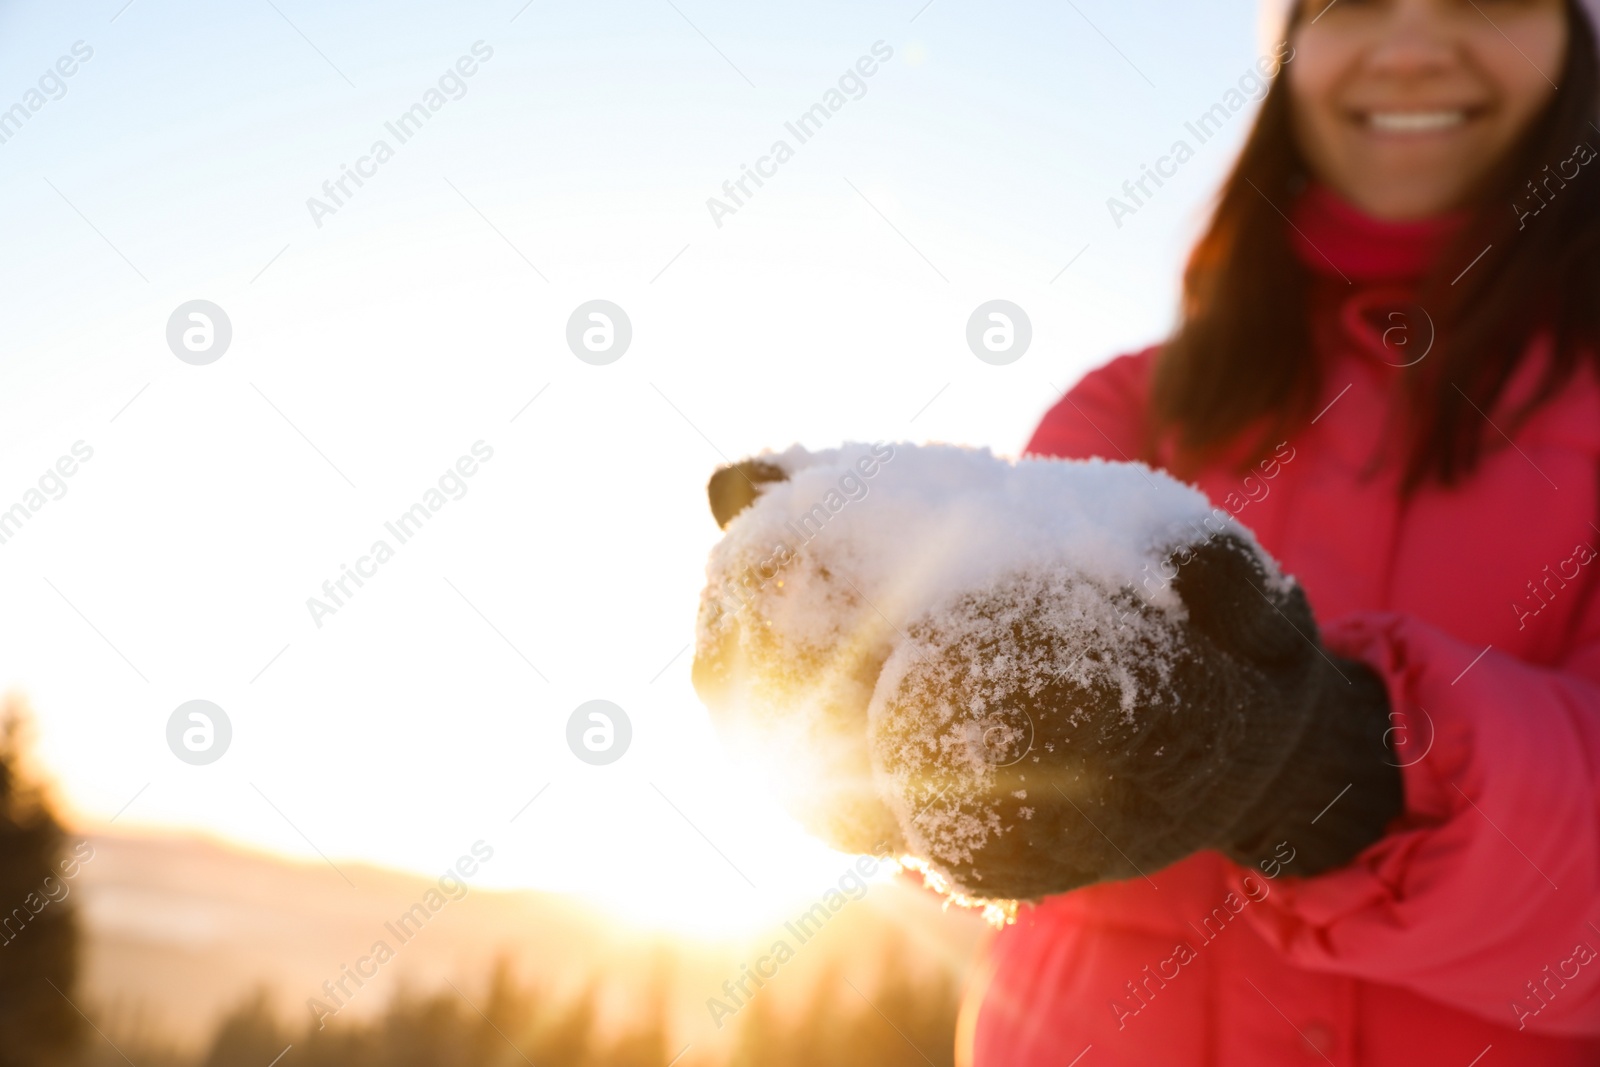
column 1335, row 239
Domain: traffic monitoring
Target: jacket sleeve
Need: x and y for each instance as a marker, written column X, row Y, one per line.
column 1103, row 415
column 1485, row 894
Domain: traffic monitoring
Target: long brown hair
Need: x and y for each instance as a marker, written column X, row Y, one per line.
column 1241, row 360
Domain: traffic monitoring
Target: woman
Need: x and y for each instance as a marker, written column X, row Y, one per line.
column 1386, row 368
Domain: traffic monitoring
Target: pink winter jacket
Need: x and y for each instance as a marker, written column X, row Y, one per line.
column 1469, row 936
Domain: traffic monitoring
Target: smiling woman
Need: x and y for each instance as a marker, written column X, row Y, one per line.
column 1407, row 107
column 1425, row 113
column 1379, row 180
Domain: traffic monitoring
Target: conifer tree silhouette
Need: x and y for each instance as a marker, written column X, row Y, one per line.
column 38, row 934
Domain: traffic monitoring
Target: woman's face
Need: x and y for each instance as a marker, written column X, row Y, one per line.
column 1404, row 106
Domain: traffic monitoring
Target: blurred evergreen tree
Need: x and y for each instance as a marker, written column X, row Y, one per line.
column 564, row 1036
column 248, row 1034
column 645, row 1044
column 38, row 915
column 897, row 1015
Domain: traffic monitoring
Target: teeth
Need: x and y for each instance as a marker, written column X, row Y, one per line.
column 1415, row 121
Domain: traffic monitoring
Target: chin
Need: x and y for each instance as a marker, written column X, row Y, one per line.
column 1402, row 178
column 1404, row 196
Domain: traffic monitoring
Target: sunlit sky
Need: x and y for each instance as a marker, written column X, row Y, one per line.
column 372, row 351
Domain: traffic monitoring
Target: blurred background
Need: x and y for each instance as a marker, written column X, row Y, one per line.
column 364, row 346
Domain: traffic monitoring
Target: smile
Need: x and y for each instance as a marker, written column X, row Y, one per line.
column 1415, row 121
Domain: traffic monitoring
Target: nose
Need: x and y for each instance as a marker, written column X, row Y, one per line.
column 1418, row 38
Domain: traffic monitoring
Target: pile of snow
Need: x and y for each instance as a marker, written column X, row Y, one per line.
column 868, row 560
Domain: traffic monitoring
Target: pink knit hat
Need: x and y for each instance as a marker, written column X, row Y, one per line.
column 1275, row 20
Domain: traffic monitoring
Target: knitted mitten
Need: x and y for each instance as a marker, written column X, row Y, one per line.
column 1023, row 758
